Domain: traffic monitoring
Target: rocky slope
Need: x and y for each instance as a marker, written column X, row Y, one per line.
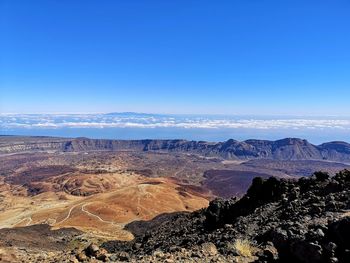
column 285, row 149
column 307, row 220
column 277, row 220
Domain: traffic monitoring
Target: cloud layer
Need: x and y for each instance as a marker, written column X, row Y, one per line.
column 134, row 120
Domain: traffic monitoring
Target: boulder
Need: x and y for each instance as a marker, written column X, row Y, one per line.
column 92, row 250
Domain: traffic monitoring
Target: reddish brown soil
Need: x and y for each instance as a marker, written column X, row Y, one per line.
column 38, row 174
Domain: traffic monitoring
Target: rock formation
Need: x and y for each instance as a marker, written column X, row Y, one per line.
column 278, row 220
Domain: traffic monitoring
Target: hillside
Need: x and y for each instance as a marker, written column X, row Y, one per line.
column 276, row 221
column 305, row 220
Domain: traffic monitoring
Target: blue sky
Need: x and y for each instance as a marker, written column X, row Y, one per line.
column 229, row 57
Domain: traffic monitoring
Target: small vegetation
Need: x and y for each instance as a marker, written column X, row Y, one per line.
column 243, row 247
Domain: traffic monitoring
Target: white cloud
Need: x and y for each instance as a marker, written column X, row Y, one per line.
column 200, row 122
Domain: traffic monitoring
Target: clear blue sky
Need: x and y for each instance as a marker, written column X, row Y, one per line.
column 231, row 57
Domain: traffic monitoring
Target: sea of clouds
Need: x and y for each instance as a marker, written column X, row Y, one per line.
column 137, row 120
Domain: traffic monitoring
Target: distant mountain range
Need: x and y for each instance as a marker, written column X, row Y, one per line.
column 285, row 149
column 134, row 114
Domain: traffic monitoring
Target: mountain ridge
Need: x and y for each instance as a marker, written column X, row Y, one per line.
column 283, row 149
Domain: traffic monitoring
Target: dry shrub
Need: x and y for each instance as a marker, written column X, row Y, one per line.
column 243, row 247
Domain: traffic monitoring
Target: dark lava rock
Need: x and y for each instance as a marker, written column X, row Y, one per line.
column 339, row 231
column 92, row 250
column 123, row 256
column 292, row 221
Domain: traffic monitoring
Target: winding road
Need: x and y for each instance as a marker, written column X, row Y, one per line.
column 93, row 215
column 26, row 218
column 68, row 215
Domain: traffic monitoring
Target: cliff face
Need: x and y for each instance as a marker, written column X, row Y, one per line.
column 285, row 149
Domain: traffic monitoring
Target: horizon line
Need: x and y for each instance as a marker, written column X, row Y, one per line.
column 176, row 114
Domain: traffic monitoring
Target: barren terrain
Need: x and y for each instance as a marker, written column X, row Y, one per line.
column 89, row 193
column 99, row 192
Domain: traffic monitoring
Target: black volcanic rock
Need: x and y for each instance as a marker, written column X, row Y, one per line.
column 305, row 220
